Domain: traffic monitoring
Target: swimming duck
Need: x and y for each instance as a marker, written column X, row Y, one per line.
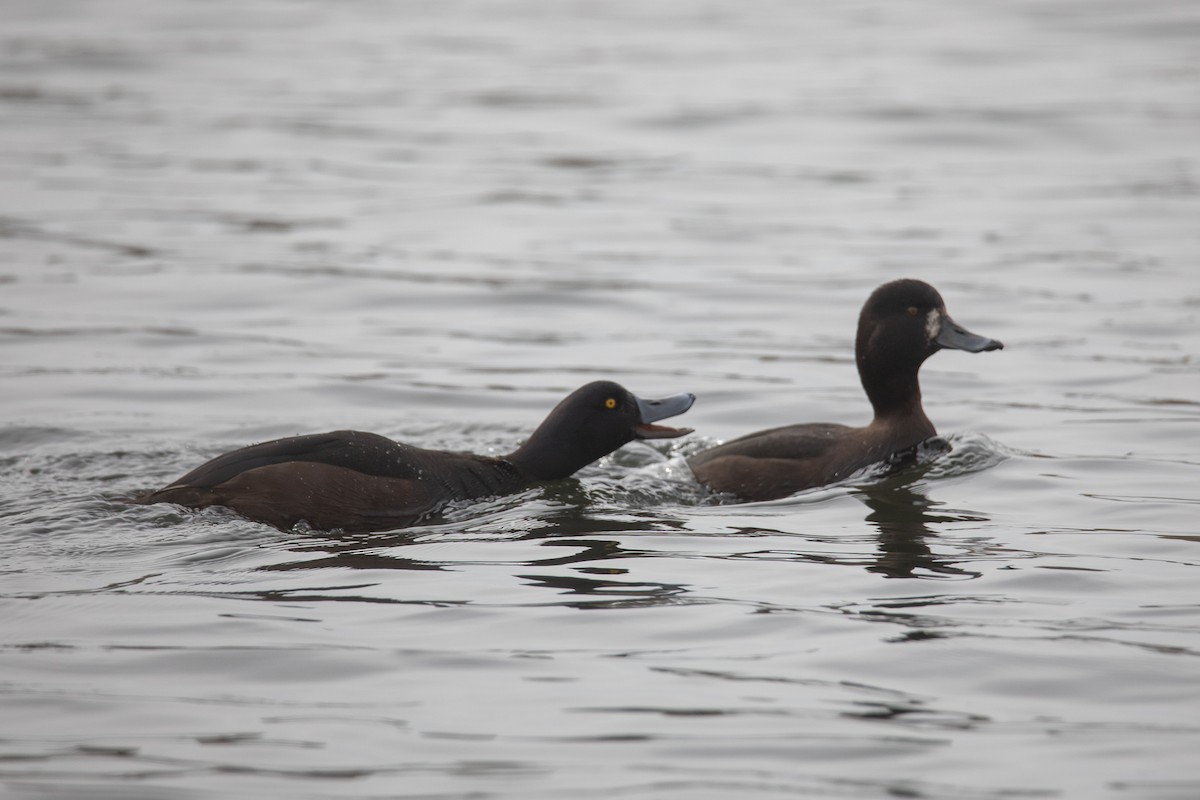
column 902, row 324
column 358, row 481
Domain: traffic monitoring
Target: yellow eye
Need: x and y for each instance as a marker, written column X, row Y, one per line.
column 913, row 311
column 610, row 402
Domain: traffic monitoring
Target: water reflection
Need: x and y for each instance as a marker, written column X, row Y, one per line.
column 351, row 559
column 903, row 515
column 616, row 594
column 905, row 518
column 570, row 536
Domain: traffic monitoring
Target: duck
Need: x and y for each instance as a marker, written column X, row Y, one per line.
column 355, row 481
column 902, row 324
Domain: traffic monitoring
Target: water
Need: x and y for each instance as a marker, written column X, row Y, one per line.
column 223, row 223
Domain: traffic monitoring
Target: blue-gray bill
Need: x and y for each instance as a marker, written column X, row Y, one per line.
column 955, row 337
column 653, row 410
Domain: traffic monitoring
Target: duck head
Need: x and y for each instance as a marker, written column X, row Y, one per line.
column 592, row 422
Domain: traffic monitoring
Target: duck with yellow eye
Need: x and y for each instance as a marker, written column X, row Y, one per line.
column 902, row 324
column 356, row 481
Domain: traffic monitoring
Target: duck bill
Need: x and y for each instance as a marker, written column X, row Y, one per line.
column 652, row 411
column 953, row 336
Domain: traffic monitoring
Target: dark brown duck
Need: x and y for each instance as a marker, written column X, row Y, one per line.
column 902, row 324
column 360, row 481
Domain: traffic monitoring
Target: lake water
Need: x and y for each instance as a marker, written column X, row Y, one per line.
column 227, row 222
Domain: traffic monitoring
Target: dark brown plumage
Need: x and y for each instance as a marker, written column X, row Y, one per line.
column 902, row 324
column 359, row 481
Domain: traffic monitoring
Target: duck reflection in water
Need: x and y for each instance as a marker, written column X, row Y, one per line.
column 902, row 513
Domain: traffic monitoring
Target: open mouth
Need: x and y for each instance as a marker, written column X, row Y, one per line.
column 647, row 431
column 652, row 411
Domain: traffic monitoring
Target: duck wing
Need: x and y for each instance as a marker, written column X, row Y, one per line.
column 367, row 453
column 790, row 442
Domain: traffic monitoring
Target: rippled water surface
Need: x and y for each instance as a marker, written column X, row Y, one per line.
column 227, row 222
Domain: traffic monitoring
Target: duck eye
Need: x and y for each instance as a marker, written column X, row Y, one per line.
column 610, row 402
column 913, row 311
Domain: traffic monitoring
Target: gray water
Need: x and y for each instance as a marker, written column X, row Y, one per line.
column 225, row 222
